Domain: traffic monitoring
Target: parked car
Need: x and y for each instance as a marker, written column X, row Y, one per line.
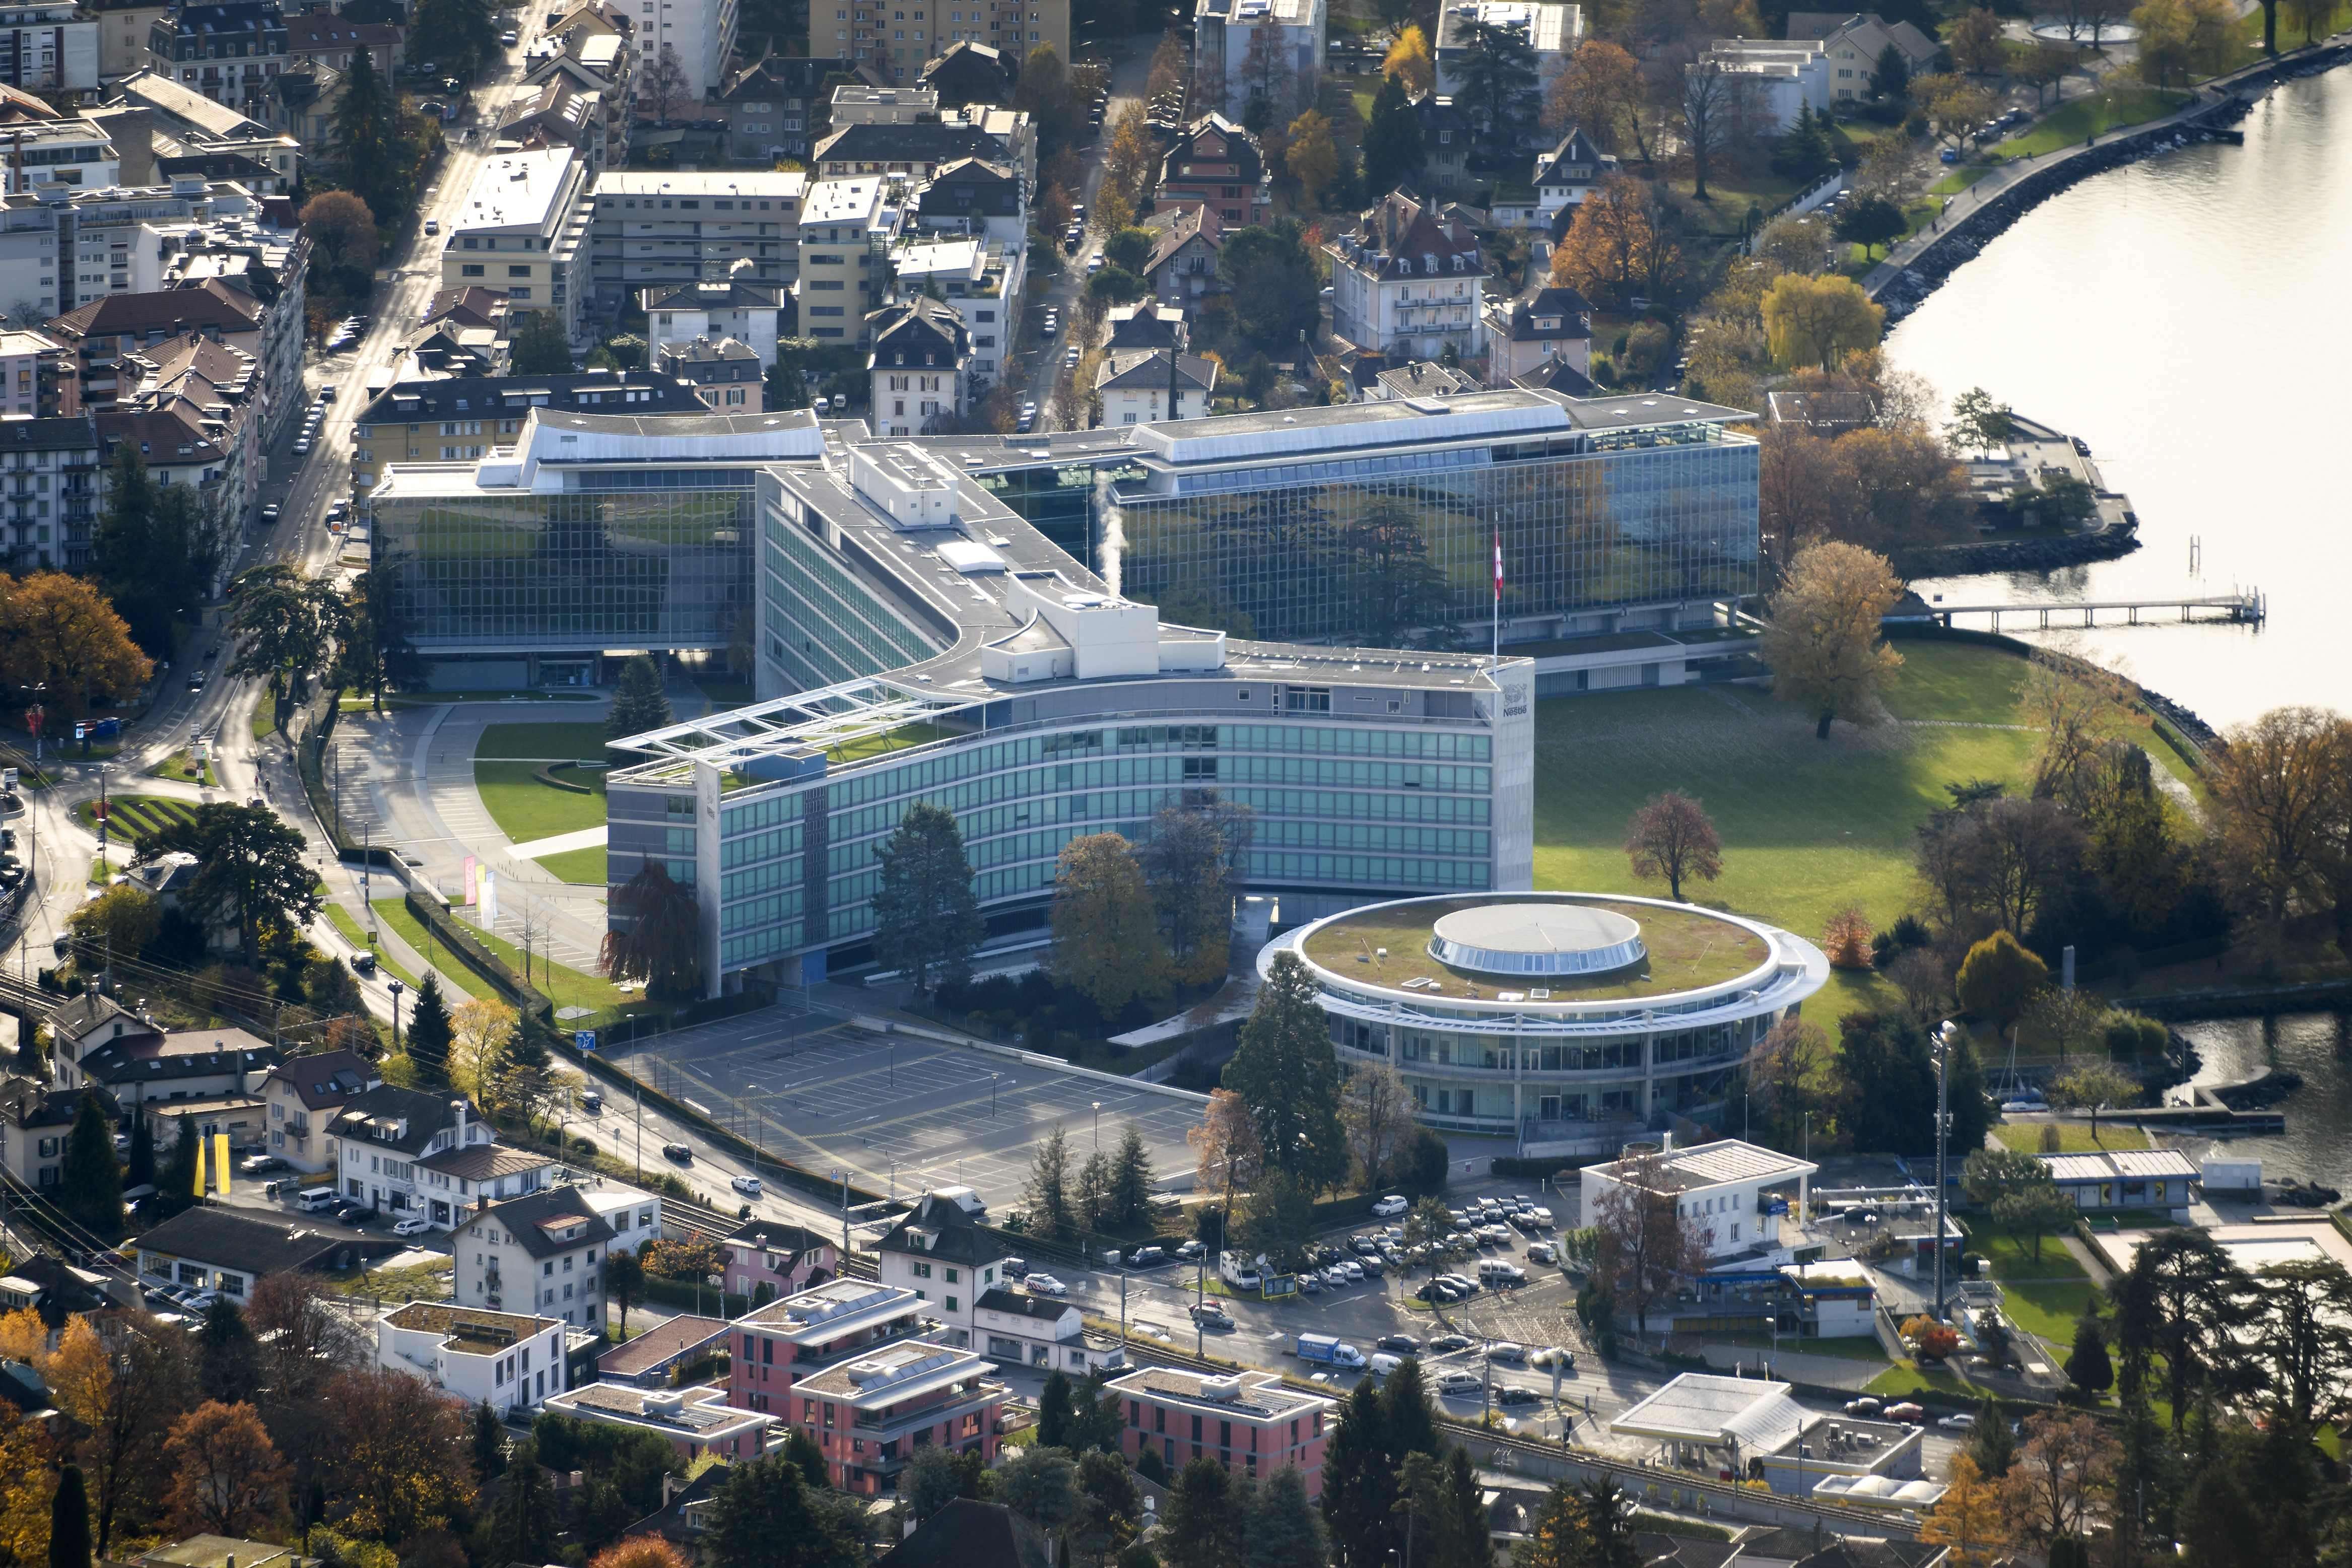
column 270, row 514
column 1503, row 1350
column 433, row 225
column 1866, row 1406
column 1046, row 1285
column 1962, row 1422
column 1210, row 1315
column 254, row 1165
column 1512, row 1393
column 1439, row 1291
column 1191, row 1251
column 1391, row 1206
column 1402, row 1344
column 301, row 446
column 1146, row 1257
column 412, row 1226
column 1458, row 1384
column 1310, row 1284
column 1016, row 1268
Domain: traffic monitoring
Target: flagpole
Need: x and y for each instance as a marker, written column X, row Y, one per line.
column 1495, row 651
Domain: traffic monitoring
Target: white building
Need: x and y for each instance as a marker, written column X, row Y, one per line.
column 1021, row 1329
column 505, row 1360
column 22, row 355
column 408, row 1152
column 1720, row 1189
column 701, row 33
column 843, row 221
column 747, row 313
column 672, row 227
column 1566, row 174
column 635, row 1218
column 523, row 232
column 1147, row 385
column 949, row 1263
column 1243, row 48
column 979, row 280
column 1772, row 79
column 541, row 1253
column 2126, row 1179
column 77, row 153
column 1854, row 41
column 48, row 48
column 1410, row 279
column 1553, row 32
column 921, row 367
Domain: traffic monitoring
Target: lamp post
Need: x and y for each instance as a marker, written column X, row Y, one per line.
column 992, row 1078
column 1945, row 1036
column 395, row 987
column 1097, row 1124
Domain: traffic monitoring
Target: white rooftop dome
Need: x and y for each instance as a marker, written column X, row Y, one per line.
column 1536, row 939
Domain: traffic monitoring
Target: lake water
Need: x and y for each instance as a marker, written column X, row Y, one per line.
column 2317, row 1045
column 2184, row 316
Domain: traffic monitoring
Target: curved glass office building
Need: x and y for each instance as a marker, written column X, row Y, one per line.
column 1568, row 1021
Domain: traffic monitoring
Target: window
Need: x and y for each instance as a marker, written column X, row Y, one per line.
column 471, row 270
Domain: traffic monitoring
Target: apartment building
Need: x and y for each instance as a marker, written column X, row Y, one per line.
column 304, row 1094
column 227, row 49
column 695, row 1421
column 966, row 73
column 777, row 108
column 1853, row 43
column 715, row 308
column 524, row 232
column 898, row 44
column 36, row 1119
column 48, row 491
column 664, row 228
column 980, row 280
column 460, row 418
column 406, row 1152
column 540, row 1252
column 1552, row 31
column 845, row 227
column 975, row 197
column 1248, row 1422
column 328, row 39
column 920, row 366
column 1244, row 49
column 1410, row 278
column 582, row 98
column 123, row 29
column 508, row 1361
column 775, row 1345
column 700, row 33
column 1215, row 164
column 189, row 124
column 725, row 375
column 1774, row 82
column 48, row 47
column 870, row 1416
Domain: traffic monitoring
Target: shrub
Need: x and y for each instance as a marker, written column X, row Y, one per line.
column 1847, row 940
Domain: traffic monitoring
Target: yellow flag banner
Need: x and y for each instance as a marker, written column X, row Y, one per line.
column 199, row 1190
column 220, row 1163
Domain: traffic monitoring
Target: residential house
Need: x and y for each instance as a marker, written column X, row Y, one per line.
column 668, row 228
column 912, row 150
column 458, row 419
column 100, row 334
column 776, row 107
column 1422, row 379
column 1147, row 325
column 975, row 197
column 1044, row 1332
column 187, row 121
column 784, row 1260
column 726, row 374
column 524, row 232
column 1153, row 384
column 1216, row 164
column 697, row 1421
column 809, row 1331
column 473, row 306
column 1556, row 374
column 303, row 102
column 843, row 225
column 226, row 49
column 1774, row 80
column 1853, row 43
column 169, row 1069
column 1247, row 1421
column 1551, row 322
column 1729, row 1190
column 1245, row 49
column 979, row 280
column 1447, row 135
column 510, row 1361
column 540, row 1252
column 54, row 1289
column 714, row 309
column 327, row 37
column 49, row 467
column 970, row 1534
column 408, row 1152
column 1185, row 243
column 591, row 85
column 661, row 1356
column 946, row 1259
column 35, row 1119
column 304, row 1093
column 1568, row 173
column 921, row 367
column 558, row 110
column 966, row 73
column 209, row 1248
column 1552, row 31
column 1410, row 278
column 90, row 1019
column 871, row 1415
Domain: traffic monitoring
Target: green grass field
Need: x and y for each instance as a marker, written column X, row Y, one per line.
column 183, row 767
column 506, row 762
column 2074, row 1137
column 2043, row 1296
column 132, row 817
column 583, row 867
column 567, row 988
column 2092, row 114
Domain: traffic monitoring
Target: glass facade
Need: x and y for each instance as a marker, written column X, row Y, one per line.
column 651, row 558
column 823, row 624
column 1359, row 549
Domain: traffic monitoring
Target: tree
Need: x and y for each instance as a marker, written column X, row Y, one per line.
column 2184, row 39
column 522, row 1524
column 639, row 702
column 274, row 613
column 429, row 1034
column 60, row 631
column 477, row 1032
column 1990, row 1443
column 364, row 136
column 1360, row 1484
column 1195, row 863
column 177, row 1187
column 1047, row 1196
column 1497, row 72
column 2094, row 1085
column 138, row 1164
column 927, row 917
column 1041, row 1485
column 2035, row 1210
column 766, row 1514
column 2271, row 792
column 1110, row 1505
column 1393, row 145
column 1671, row 837
column 1969, row 1518
column 2060, row 1474
column 1285, row 1071
column 70, row 1520
column 2308, row 14
column 1269, row 86
column 624, row 1282
column 1130, row 1178
column 154, row 554
column 1997, row 978
column 934, row 1479
column 1314, row 157
column 542, row 347
column 1227, row 1152
column 1870, row 222
column 1890, row 76
column 253, row 868
column 661, row 946
column 2087, row 1367
column 343, row 231
column 1582, row 1527
column 1992, row 1173
column 1042, row 92
column 401, row 1454
column 1616, row 247
column 1092, row 1195
column 1283, row 1530
column 2181, row 1303
column 1975, row 40
column 1277, row 1222
column 1819, row 320
column 1710, row 104
column 1953, row 104
column 1648, row 1247
column 653, row 1551
column 1978, row 424
column 90, row 1185
column 1201, row 1527
column 2301, row 1356
column 1107, row 942
column 1285, row 297
column 1054, row 1411
column 1376, row 1110
column 663, row 83
column 1409, row 62
column 225, row 1473
column 1823, row 645
column 1599, row 93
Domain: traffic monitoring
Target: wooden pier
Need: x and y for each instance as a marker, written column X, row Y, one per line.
column 2249, row 609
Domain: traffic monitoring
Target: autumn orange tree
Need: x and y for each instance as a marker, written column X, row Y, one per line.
column 1970, row 1518
column 225, row 1473
column 1409, row 60
column 60, row 629
column 405, row 1456
column 1672, row 837
column 640, row 1552
column 1601, row 93
column 1617, row 246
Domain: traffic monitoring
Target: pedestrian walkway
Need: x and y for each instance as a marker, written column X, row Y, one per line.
column 584, row 839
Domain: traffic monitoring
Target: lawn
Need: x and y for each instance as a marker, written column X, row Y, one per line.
column 183, row 767
column 265, row 718
column 584, row 868
column 1959, row 179
column 131, row 817
column 2094, row 114
column 1901, row 1380
column 2074, row 1137
column 567, row 988
column 506, row 765
column 2043, row 1296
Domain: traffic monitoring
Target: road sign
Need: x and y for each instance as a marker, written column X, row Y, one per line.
column 584, row 1039
column 1278, row 1285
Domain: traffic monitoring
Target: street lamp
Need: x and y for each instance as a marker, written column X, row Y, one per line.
column 395, row 987
column 1097, row 1124
column 992, row 1078
column 1946, row 1036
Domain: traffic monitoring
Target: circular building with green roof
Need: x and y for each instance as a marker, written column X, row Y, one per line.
column 1565, row 1022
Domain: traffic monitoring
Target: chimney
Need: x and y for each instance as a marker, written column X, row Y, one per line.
column 457, row 1109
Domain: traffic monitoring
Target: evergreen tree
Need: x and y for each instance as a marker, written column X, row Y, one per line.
column 429, row 1035
column 2087, row 1367
column 1048, row 1194
column 140, row 1169
column 1202, row 1527
column 1465, row 1538
column 801, row 1453
column 176, row 1187
column 1991, row 1444
column 1130, row 1180
column 1286, row 1074
column 70, row 1520
column 1393, row 145
column 489, row 1442
column 542, row 347
column 638, row 701
column 90, row 1185
column 926, row 916
column 522, row 1524
column 364, row 136
column 1891, row 77
column 1408, row 1418
column 1359, row 1490
column 1054, row 1411
column 228, row 1358
column 1283, row 1531
column 1497, row 72
column 464, row 32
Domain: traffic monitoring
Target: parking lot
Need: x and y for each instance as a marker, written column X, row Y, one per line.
column 897, row 1110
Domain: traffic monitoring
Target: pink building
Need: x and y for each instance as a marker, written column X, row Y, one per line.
column 784, row 1257
column 697, row 1421
column 1247, row 1421
column 810, row 1330
column 871, row 1413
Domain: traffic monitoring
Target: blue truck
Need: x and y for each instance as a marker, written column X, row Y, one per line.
column 1328, row 1350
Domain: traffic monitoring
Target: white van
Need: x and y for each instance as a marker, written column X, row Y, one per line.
column 1381, row 1365
column 312, row 1199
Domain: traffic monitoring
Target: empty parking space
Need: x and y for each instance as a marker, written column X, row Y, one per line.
column 832, row 1096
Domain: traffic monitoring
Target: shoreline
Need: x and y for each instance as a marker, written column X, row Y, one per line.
column 1904, row 289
